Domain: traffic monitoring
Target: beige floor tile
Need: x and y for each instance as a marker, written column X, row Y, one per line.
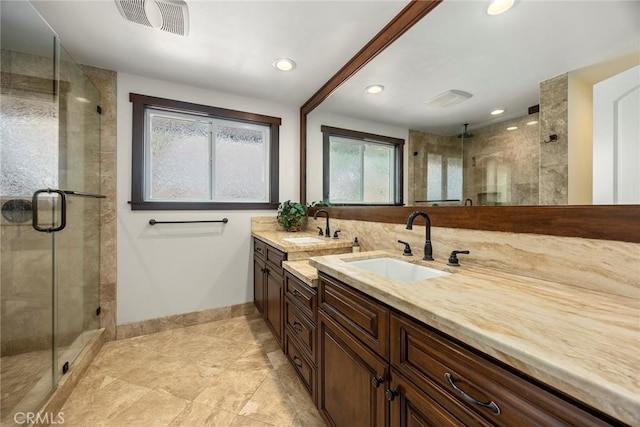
column 232, row 390
column 251, row 360
column 96, row 400
column 277, row 359
column 189, row 381
column 196, row 415
column 309, row 418
column 154, row 409
column 270, row 404
column 241, row 421
column 224, row 373
column 241, row 331
column 224, row 353
column 150, row 369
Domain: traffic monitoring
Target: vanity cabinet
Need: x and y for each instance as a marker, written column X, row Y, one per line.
column 268, row 286
column 379, row 367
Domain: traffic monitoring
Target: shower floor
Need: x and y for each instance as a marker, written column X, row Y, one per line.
column 26, row 381
column 26, row 378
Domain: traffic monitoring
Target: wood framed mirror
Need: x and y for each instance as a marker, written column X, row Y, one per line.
column 613, row 222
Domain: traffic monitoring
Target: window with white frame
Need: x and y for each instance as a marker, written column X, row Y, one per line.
column 189, row 156
column 361, row 168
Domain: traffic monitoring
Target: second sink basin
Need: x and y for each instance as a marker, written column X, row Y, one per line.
column 398, row 270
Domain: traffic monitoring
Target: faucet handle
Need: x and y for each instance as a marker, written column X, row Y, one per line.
column 335, row 234
column 407, row 248
column 453, row 258
column 320, row 232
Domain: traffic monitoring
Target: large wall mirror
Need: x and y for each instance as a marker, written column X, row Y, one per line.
column 566, row 75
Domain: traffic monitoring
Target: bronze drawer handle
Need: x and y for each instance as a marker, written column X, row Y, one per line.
column 376, row 380
column 297, row 362
column 490, row 406
column 258, row 249
column 297, row 326
column 297, row 293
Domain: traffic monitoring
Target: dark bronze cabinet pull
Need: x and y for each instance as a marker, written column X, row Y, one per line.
column 297, row 362
column 376, row 381
column 297, row 326
column 492, row 406
column 297, row 293
column 391, row 393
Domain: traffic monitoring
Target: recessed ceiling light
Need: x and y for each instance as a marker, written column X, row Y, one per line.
column 284, row 64
column 374, row 89
column 83, row 100
column 496, row 7
column 449, row 98
column 496, row 112
column 532, row 122
column 512, row 128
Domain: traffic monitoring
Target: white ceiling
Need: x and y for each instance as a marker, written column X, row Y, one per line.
column 231, row 45
column 499, row 59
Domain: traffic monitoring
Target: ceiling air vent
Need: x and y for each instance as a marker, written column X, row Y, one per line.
column 449, row 98
column 171, row 16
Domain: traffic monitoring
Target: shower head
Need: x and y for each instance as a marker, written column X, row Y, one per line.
column 465, row 134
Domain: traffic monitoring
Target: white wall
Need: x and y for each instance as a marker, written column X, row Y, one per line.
column 172, row 269
column 317, row 118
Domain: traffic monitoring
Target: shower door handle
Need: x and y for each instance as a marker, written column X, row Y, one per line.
column 63, row 207
column 63, row 211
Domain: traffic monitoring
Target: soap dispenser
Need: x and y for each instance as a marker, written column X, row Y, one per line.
column 356, row 245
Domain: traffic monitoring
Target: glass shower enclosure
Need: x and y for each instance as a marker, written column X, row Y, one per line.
column 50, row 206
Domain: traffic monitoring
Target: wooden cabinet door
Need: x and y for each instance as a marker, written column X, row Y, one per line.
column 348, row 394
column 258, row 283
column 274, row 293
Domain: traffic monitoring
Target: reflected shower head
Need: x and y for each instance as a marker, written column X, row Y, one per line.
column 465, row 134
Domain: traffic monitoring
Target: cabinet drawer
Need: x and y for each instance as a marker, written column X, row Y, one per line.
column 302, row 295
column 300, row 327
column 361, row 315
column 501, row 397
column 259, row 248
column 306, row 370
column 275, row 258
column 414, row 407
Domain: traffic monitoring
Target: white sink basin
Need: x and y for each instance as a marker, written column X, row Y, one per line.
column 302, row 240
column 398, row 270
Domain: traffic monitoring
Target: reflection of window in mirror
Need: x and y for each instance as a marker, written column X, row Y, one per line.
column 444, row 178
column 361, row 168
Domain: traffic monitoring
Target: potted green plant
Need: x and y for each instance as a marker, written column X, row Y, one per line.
column 292, row 216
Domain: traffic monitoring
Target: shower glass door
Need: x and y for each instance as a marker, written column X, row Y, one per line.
column 49, row 281
column 76, row 248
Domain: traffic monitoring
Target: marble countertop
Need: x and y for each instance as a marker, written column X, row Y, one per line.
column 303, row 271
column 583, row 343
column 297, row 251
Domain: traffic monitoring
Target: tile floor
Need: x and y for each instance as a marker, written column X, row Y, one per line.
column 225, row 373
